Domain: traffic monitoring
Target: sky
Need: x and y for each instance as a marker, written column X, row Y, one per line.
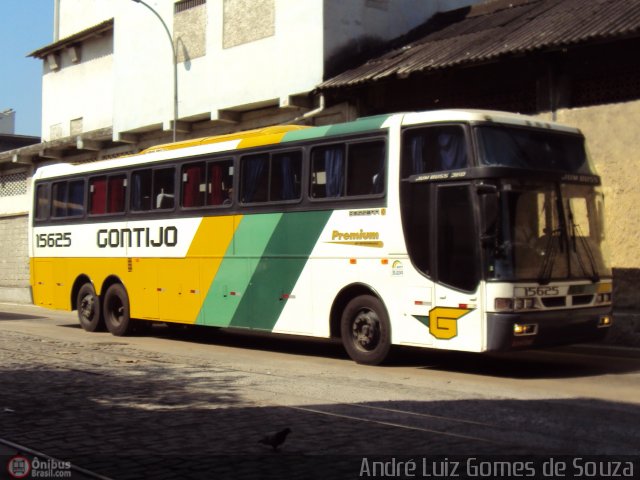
column 25, row 26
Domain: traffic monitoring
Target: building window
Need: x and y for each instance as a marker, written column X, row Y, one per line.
column 183, row 5
column 13, row 184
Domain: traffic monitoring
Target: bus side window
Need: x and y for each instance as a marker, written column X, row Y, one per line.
column 433, row 149
column 141, row 191
column 116, row 193
column 164, row 188
column 254, row 178
column 286, row 169
column 220, row 183
column 365, row 168
column 68, row 198
column 97, row 195
column 327, row 171
column 42, row 202
column 193, row 184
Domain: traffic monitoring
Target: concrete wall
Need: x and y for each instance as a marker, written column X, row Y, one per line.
column 614, row 144
column 14, row 260
column 8, row 121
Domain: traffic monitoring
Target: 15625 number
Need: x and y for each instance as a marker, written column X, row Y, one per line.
column 53, row 240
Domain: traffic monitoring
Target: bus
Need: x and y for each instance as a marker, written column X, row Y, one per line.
column 465, row 230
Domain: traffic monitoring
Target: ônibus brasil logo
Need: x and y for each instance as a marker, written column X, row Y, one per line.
column 19, row 466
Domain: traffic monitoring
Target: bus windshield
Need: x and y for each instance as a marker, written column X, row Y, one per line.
column 548, row 231
column 532, row 149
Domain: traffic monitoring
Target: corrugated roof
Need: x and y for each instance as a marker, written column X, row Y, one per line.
column 78, row 37
column 495, row 29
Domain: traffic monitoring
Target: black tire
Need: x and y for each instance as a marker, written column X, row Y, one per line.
column 366, row 330
column 88, row 304
column 116, row 311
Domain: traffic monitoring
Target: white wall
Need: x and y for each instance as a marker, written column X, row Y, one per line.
column 82, row 90
column 78, row 15
column 286, row 63
column 133, row 88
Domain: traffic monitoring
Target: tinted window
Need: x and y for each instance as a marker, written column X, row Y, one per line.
column 270, row 177
column 347, row 170
column 456, row 256
column 432, row 149
column 153, row 189
column 42, row 202
column 68, row 198
column 528, row 148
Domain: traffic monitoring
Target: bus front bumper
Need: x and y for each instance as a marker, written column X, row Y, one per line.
column 511, row 331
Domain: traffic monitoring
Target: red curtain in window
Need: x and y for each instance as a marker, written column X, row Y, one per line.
column 116, row 194
column 191, row 187
column 98, row 195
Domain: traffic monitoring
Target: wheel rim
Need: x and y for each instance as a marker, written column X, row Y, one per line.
column 87, row 307
column 116, row 310
column 365, row 330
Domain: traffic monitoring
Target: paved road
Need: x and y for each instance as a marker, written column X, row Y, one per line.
column 193, row 404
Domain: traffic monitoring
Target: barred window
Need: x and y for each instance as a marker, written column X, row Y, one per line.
column 13, row 184
column 183, row 5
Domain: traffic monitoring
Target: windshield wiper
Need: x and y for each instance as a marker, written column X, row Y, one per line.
column 550, row 251
column 575, row 232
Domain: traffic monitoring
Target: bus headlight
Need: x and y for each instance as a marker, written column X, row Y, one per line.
column 605, row 321
column 521, row 329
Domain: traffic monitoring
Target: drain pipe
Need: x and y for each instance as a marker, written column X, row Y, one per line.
column 56, row 20
column 310, row 113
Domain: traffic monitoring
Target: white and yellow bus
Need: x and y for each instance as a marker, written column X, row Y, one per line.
column 463, row 230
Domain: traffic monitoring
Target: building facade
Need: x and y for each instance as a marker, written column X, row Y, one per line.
column 108, row 79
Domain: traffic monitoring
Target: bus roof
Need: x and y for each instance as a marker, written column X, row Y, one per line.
column 282, row 134
column 491, row 116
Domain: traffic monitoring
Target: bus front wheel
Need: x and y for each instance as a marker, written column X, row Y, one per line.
column 116, row 310
column 365, row 330
column 88, row 305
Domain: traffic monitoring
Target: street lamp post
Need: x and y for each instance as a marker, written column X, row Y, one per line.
column 175, row 66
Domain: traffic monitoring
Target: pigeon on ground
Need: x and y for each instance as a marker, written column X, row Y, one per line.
column 276, row 439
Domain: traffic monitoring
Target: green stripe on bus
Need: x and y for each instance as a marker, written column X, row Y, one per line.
column 277, row 272
column 232, row 280
column 262, row 265
column 360, row 125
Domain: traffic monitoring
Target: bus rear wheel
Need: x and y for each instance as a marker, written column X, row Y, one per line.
column 365, row 330
column 116, row 310
column 88, row 305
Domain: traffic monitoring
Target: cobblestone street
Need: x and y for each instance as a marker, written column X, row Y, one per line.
column 187, row 405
